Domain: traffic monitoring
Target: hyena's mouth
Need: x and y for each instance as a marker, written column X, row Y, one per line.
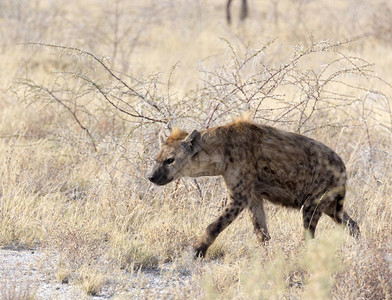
column 163, row 180
column 160, row 179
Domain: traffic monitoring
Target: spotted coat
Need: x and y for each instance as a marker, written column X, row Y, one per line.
column 258, row 163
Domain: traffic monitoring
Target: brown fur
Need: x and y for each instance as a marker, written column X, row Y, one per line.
column 177, row 134
column 258, row 163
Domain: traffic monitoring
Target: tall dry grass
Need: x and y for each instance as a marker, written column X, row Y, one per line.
column 87, row 86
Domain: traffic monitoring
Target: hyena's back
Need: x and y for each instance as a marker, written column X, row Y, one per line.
column 290, row 168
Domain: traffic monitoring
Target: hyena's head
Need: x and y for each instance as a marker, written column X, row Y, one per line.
column 174, row 156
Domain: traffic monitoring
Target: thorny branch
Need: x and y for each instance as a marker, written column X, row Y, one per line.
column 113, row 76
column 300, row 98
column 71, row 111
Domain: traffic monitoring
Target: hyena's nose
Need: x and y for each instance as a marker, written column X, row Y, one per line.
column 152, row 177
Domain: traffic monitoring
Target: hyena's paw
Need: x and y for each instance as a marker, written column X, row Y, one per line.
column 199, row 250
column 354, row 230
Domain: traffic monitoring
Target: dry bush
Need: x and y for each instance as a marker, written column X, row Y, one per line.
column 300, row 96
column 76, row 247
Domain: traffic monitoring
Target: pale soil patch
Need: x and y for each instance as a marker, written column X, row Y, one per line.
column 30, row 274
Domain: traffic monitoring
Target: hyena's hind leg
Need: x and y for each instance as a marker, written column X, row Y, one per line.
column 257, row 215
column 337, row 213
column 311, row 214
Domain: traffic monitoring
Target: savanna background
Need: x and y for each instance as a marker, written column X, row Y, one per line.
column 87, row 85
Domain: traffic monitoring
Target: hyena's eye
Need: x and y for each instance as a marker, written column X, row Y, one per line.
column 168, row 161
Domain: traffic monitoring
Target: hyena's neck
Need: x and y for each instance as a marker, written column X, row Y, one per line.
column 226, row 146
column 209, row 161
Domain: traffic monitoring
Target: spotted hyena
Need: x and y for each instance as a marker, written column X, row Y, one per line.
column 258, row 162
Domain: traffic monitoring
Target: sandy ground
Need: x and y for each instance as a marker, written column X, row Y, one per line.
column 31, row 273
column 25, row 273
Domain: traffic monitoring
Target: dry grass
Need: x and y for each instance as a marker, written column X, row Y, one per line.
column 14, row 288
column 82, row 105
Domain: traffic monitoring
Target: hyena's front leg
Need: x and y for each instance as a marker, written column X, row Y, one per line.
column 231, row 211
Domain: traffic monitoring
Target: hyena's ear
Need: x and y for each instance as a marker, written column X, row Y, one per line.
column 192, row 143
column 161, row 137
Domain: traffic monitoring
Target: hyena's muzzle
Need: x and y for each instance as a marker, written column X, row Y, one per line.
column 159, row 176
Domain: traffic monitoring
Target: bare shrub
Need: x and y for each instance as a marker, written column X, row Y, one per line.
column 300, row 97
